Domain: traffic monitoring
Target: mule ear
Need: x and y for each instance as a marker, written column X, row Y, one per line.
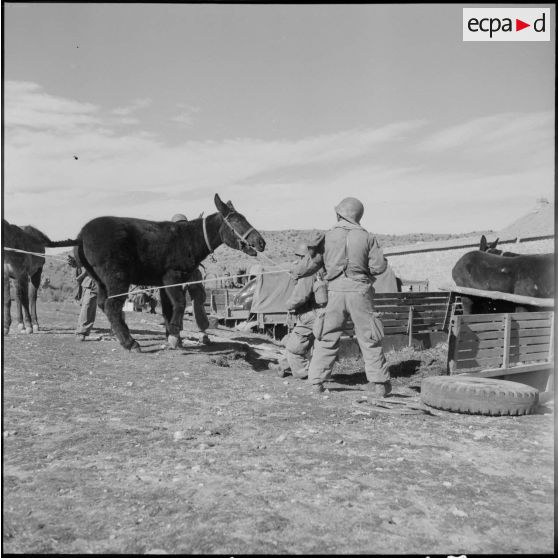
column 221, row 207
column 201, row 215
column 483, row 246
column 229, row 203
column 492, row 245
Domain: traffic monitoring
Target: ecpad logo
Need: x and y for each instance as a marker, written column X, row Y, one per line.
column 506, row 24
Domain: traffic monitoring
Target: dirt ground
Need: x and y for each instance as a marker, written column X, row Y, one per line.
column 205, row 450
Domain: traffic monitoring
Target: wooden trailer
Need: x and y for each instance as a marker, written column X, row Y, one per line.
column 517, row 346
column 419, row 319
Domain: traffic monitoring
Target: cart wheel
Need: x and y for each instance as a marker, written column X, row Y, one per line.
column 479, row 396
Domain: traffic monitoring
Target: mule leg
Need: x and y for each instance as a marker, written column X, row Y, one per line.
column 7, row 305
column 18, row 307
column 34, row 285
column 113, row 310
column 22, row 299
column 166, row 310
column 101, row 300
column 178, row 301
column 173, row 326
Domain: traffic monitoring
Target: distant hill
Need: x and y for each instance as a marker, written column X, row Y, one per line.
column 59, row 279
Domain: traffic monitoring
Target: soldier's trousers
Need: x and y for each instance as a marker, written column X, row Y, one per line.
column 357, row 305
column 87, row 312
column 298, row 346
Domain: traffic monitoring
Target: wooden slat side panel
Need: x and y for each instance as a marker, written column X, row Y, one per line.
column 487, row 326
column 535, row 332
column 530, row 324
column 400, row 308
column 468, row 354
column 532, row 316
column 536, row 336
column 395, row 330
column 469, row 319
column 530, row 357
column 489, row 362
column 525, row 356
column 414, row 295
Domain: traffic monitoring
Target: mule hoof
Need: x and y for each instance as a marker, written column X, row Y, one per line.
column 28, row 330
column 174, row 342
column 20, row 327
column 35, row 329
column 135, row 348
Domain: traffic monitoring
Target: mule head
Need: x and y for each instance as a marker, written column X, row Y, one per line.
column 490, row 248
column 236, row 231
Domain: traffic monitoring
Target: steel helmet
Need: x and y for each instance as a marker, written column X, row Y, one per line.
column 178, row 217
column 350, row 209
column 301, row 249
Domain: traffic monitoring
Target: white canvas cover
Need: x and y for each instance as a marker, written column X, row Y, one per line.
column 272, row 292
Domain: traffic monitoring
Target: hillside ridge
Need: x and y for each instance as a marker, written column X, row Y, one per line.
column 58, row 279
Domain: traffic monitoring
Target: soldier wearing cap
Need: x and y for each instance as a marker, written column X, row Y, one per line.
column 197, row 294
column 352, row 258
column 304, row 304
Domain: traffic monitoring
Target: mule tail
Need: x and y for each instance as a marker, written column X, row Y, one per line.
column 62, row 243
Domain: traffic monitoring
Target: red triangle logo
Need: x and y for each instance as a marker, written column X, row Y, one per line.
column 519, row 25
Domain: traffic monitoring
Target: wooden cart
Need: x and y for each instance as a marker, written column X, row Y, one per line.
column 515, row 346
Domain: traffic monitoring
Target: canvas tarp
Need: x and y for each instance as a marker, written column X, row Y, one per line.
column 272, row 292
column 386, row 281
column 274, row 289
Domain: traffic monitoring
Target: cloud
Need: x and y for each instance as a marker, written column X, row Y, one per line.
column 413, row 176
column 134, row 106
column 28, row 107
column 186, row 114
column 495, row 137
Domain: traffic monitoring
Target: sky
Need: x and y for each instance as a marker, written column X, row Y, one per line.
column 146, row 110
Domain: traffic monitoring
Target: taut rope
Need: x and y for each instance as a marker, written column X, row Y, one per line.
column 39, row 254
column 148, row 289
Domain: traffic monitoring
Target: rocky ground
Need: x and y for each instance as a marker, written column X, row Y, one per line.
column 205, row 450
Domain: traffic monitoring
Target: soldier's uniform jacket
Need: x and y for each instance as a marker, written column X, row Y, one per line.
column 302, row 297
column 351, row 256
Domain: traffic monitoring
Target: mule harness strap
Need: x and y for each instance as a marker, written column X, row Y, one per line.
column 206, row 237
column 242, row 237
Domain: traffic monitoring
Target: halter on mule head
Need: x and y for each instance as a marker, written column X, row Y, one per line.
column 227, row 211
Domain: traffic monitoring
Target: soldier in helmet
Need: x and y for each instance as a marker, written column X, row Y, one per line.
column 305, row 305
column 352, row 258
column 197, row 294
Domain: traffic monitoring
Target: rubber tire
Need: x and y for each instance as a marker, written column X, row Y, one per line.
column 479, row 396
